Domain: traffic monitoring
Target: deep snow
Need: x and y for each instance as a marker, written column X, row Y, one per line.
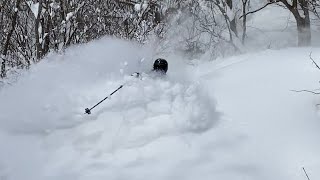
column 235, row 118
column 277, row 129
column 46, row 135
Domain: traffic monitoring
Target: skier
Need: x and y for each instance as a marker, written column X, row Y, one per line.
column 160, row 67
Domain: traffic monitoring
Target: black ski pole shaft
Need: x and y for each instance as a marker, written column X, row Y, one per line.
column 88, row 111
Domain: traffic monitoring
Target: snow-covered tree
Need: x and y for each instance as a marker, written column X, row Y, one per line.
column 300, row 9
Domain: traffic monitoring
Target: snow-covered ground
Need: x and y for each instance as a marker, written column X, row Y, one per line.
column 234, row 118
column 46, row 135
column 269, row 131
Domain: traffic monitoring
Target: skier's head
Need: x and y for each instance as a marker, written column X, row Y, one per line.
column 160, row 65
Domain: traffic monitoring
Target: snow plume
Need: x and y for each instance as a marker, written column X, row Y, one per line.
column 52, row 89
column 43, row 112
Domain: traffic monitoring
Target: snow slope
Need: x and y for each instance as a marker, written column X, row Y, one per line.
column 234, row 118
column 271, row 131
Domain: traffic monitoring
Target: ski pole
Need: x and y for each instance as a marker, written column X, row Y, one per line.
column 88, row 111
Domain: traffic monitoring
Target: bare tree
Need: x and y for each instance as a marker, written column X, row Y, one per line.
column 37, row 30
column 233, row 23
column 314, row 7
column 30, row 29
column 8, row 39
column 300, row 10
column 245, row 4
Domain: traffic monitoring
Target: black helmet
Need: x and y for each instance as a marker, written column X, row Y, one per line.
column 160, row 65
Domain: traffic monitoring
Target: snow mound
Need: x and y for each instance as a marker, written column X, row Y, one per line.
column 155, row 107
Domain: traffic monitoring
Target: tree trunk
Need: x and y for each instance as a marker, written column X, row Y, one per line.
column 7, row 43
column 244, row 21
column 3, row 67
column 303, row 23
column 304, row 32
column 233, row 22
column 47, row 31
column 37, row 33
column 233, row 26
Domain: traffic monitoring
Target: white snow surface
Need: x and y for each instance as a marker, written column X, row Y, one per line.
column 137, row 7
column 34, row 8
column 44, row 133
column 69, row 15
column 235, row 118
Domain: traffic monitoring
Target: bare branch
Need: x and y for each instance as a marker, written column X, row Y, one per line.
column 313, row 60
column 251, row 12
column 306, row 91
